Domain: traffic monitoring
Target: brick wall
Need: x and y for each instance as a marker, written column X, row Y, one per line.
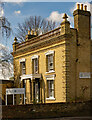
column 46, row 110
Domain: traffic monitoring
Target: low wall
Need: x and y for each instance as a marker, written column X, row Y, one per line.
column 46, row 110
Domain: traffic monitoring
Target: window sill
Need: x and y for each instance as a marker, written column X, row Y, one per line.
column 51, row 98
column 50, row 71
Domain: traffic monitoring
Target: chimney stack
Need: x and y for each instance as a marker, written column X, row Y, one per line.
column 82, row 20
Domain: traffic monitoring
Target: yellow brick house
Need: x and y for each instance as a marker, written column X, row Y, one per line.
column 55, row 66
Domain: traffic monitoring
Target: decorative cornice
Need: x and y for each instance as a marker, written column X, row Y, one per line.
column 42, row 44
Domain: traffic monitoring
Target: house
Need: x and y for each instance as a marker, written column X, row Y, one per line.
column 56, row 66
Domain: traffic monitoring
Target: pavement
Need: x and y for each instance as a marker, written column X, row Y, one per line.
column 68, row 118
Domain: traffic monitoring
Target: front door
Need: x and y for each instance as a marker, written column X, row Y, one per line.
column 37, row 91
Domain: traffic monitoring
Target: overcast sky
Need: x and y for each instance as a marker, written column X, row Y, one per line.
column 17, row 12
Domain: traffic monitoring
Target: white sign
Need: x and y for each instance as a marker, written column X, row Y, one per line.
column 15, row 91
column 84, row 75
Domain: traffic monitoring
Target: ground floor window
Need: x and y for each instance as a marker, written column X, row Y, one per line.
column 50, row 88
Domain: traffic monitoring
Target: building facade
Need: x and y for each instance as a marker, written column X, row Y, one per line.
column 56, row 66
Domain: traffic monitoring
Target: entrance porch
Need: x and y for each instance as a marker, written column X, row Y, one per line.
column 33, row 92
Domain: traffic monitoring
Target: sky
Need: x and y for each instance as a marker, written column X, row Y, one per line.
column 16, row 12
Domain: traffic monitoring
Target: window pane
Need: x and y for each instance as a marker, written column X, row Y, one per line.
column 35, row 64
column 50, row 62
column 50, row 86
column 23, row 64
column 23, row 68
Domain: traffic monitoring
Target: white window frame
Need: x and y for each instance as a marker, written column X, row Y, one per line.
column 34, row 57
column 50, row 52
column 48, row 78
column 35, row 66
column 50, row 85
column 21, row 61
column 22, row 68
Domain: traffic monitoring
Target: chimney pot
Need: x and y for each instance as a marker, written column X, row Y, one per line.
column 81, row 6
column 28, row 32
column 32, row 32
column 85, row 7
column 35, row 33
column 78, row 6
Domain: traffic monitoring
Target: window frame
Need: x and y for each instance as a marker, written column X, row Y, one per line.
column 21, row 66
column 33, row 58
column 48, row 58
column 50, row 89
column 50, row 78
column 35, row 66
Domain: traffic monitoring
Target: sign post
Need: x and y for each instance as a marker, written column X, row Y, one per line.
column 6, row 99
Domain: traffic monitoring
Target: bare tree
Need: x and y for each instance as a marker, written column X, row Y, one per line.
column 5, row 56
column 36, row 23
column 5, row 27
column 6, row 61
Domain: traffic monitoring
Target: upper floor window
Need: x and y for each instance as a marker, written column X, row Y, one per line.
column 23, row 68
column 50, row 61
column 34, row 64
